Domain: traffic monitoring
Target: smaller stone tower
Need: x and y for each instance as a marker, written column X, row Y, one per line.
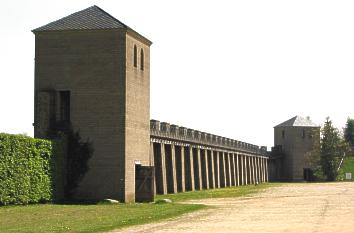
column 297, row 137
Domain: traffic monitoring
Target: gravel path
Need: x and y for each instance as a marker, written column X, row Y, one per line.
column 298, row 207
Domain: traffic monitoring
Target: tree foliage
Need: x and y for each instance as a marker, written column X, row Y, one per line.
column 332, row 150
column 349, row 134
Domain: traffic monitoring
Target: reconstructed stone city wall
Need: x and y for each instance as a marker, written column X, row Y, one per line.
column 188, row 160
column 92, row 73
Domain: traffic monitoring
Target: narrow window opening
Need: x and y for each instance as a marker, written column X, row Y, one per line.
column 283, row 134
column 65, row 106
column 135, row 56
column 303, row 133
column 141, row 59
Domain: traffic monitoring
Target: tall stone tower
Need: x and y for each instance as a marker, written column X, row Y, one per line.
column 93, row 72
column 297, row 137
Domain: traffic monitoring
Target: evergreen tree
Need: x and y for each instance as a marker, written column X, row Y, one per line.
column 349, row 134
column 332, row 150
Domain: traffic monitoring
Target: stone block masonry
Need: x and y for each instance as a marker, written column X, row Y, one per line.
column 198, row 160
column 102, row 68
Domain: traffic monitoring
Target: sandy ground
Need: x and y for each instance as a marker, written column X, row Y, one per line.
column 298, row 207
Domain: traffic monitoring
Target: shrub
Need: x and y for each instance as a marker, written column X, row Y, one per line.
column 26, row 169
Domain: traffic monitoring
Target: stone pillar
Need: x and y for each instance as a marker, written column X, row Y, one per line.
column 253, row 164
column 179, row 155
column 228, row 164
column 226, row 171
column 223, row 177
column 246, row 169
column 231, row 175
column 205, row 169
column 222, row 170
column 250, row 159
column 199, row 170
column 263, row 170
column 173, row 160
column 266, row 170
column 212, row 169
column 234, row 169
column 163, row 167
column 229, row 155
column 183, row 167
column 191, row 160
column 188, row 169
column 242, row 163
column 217, row 169
column 237, row 170
column 231, row 170
column 249, row 164
column 257, row 170
column 250, row 170
column 260, row 169
column 261, row 166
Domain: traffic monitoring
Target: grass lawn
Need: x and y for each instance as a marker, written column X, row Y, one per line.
column 348, row 166
column 85, row 218
column 218, row 193
column 105, row 217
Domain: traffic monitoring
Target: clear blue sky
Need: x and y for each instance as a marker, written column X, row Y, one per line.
column 232, row 68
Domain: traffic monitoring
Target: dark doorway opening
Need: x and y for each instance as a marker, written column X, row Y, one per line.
column 144, row 183
column 308, row 174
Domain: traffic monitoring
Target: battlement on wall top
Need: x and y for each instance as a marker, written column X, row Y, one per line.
column 180, row 133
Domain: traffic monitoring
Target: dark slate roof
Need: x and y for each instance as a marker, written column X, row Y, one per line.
column 298, row 121
column 89, row 18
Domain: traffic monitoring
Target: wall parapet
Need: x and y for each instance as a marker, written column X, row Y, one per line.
column 173, row 132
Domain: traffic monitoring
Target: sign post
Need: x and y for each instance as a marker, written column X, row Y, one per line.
column 348, row 176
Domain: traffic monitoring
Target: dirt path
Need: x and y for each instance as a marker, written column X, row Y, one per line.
column 315, row 208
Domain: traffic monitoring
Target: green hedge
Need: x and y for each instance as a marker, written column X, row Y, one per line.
column 26, row 169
